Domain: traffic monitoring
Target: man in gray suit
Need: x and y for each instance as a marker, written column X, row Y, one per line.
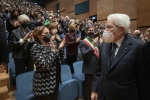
column 124, row 73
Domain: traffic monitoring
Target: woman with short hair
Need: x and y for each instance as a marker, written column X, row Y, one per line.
column 21, row 43
column 72, row 42
column 89, row 48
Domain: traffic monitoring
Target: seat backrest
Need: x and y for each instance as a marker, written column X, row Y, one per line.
column 77, row 66
column 11, row 63
column 65, row 73
column 24, row 85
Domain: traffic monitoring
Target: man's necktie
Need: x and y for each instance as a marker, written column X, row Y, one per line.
column 114, row 46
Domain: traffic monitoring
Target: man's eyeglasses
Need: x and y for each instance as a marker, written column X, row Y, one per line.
column 108, row 26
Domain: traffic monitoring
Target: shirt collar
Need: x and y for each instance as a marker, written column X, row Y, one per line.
column 119, row 42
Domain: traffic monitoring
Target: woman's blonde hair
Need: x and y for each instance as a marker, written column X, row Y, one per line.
column 71, row 26
column 53, row 25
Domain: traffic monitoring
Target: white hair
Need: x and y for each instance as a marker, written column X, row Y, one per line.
column 23, row 17
column 120, row 20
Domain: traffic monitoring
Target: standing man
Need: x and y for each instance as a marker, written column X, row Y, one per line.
column 3, row 43
column 124, row 73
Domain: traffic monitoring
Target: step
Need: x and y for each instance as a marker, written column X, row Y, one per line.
column 4, row 79
column 3, row 93
column 2, row 69
column 8, row 99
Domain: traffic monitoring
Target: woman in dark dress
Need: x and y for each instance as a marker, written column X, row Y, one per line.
column 47, row 60
column 72, row 42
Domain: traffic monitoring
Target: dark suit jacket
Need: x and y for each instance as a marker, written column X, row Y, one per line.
column 6, row 15
column 3, row 43
column 148, row 42
column 129, row 75
column 10, row 27
column 20, row 51
column 90, row 61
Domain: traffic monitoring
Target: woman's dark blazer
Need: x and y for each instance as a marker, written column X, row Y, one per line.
column 20, row 51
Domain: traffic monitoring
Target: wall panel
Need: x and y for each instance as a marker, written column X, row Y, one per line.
column 104, row 8
column 64, row 13
column 143, row 5
column 143, row 18
column 79, row 1
column 143, row 13
column 133, row 26
column 83, row 16
column 70, row 6
column 62, row 5
column 49, row 6
column 71, row 14
column 93, row 7
column 128, row 7
column 70, row 9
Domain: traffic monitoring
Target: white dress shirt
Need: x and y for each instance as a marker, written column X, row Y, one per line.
column 118, row 43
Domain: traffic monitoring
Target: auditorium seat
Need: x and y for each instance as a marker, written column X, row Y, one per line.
column 11, row 67
column 78, row 75
column 69, row 88
column 24, row 86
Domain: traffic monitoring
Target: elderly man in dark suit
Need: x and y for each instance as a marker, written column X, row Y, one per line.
column 125, row 64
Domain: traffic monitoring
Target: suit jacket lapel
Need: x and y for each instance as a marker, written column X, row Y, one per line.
column 20, row 33
column 124, row 48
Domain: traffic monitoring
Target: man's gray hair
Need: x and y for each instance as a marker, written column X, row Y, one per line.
column 23, row 17
column 120, row 20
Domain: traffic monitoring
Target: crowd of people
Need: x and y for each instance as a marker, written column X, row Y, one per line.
column 38, row 37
